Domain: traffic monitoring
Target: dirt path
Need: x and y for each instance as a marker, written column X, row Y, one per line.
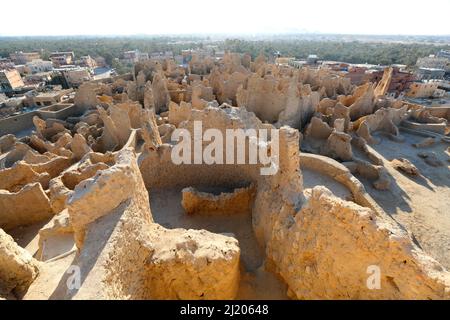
column 421, row 204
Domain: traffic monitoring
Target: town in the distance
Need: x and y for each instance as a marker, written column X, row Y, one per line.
column 39, row 78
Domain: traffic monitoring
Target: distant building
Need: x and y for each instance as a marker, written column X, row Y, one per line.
column 100, row 62
column 50, row 98
column 87, row 61
column 444, row 54
column 362, row 73
column 443, row 84
column 334, row 65
column 101, row 73
column 163, row 55
column 134, row 56
column 219, row 53
column 188, row 54
column 20, row 57
column 39, row 65
column 434, row 62
column 23, row 69
column 358, row 75
column 312, row 59
column 400, row 81
column 58, row 79
column 62, row 58
column 430, row 74
column 39, row 77
column 6, row 63
column 425, row 90
column 10, row 80
column 297, row 63
column 75, row 76
column 11, row 106
column 142, row 56
column 401, row 67
column 130, row 56
column 283, row 60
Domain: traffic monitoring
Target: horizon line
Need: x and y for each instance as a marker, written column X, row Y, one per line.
column 223, row 34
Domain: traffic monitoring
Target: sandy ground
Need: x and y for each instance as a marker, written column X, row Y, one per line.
column 421, row 204
column 51, row 282
column 48, row 284
column 256, row 283
column 28, row 237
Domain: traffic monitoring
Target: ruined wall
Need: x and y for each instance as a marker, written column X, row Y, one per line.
column 319, row 245
column 347, row 240
column 124, row 255
column 25, row 207
column 203, row 266
column 238, row 201
column 159, row 171
column 283, row 100
column 384, row 119
column 226, row 84
column 265, row 96
column 18, row 268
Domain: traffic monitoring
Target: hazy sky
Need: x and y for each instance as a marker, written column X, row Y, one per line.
column 123, row 17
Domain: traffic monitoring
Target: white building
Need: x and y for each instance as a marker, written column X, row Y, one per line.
column 39, row 65
column 161, row 55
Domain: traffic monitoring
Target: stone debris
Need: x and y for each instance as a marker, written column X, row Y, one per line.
column 355, row 234
column 375, row 173
column 18, row 269
column 406, row 166
column 7, row 142
column 101, row 187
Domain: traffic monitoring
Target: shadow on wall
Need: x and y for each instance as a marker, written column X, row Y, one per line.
column 97, row 240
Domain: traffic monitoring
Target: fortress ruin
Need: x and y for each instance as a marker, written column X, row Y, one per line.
column 92, row 205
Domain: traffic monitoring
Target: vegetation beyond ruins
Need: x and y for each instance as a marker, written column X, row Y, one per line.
column 401, row 51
